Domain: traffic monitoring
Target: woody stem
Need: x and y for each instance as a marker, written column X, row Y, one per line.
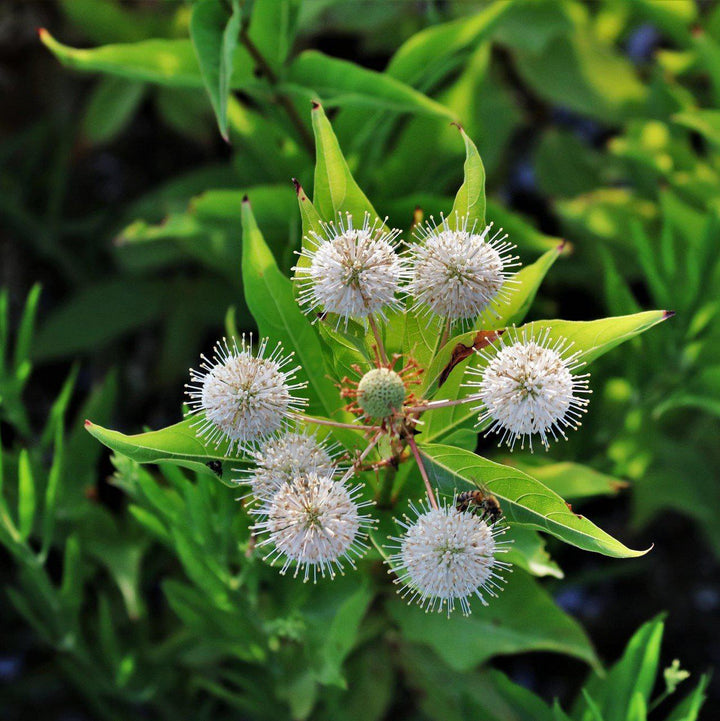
column 423, row 472
column 334, row 424
column 378, row 339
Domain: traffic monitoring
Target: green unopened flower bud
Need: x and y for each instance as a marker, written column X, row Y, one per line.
column 380, row 393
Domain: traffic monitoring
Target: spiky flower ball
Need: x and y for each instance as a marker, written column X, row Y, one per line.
column 528, row 388
column 447, row 556
column 352, row 272
column 241, row 397
column 315, row 524
column 381, row 392
column 456, row 272
column 282, row 459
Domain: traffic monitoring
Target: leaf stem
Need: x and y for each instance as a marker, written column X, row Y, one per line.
column 358, row 461
column 334, row 424
column 286, row 103
column 378, row 339
column 423, row 472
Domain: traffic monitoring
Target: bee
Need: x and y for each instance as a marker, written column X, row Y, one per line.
column 215, row 467
column 481, row 500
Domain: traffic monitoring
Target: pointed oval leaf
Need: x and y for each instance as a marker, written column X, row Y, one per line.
column 167, row 62
column 269, row 295
column 470, row 199
column 335, row 188
column 524, row 499
column 592, row 338
column 340, row 82
column 214, row 37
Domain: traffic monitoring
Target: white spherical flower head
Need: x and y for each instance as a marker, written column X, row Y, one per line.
column 352, row 272
column 447, row 556
column 243, row 398
column 282, row 459
column 315, row 524
column 456, row 272
column 528, row 388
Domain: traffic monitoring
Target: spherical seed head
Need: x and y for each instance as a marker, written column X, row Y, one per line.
column 381, row 392
column 314, row 523
column 458, row 273
column 243, row 398
column 528, row 388
column 447, row 556
column 353, row 272
column 282, row 459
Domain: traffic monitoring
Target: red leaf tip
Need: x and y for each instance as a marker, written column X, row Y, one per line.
column 668, row 314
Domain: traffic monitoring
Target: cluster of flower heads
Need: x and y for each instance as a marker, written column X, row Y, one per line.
column 308, row 515
column 454, row 270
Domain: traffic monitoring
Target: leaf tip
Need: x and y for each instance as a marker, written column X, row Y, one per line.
column 245, row 199
column 458, row 125
column 298, row 187
column 668, row 314
column 316, row 105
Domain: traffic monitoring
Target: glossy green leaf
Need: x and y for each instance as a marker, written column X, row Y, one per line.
column 179, row 443
column 335, row 189
column 528, row 552
column 633, row 674
column 26, row 496
column 273, row 26
column 343, row 83
column 689, row 708
column 514, row 306
column 591, row 338
column 523, row 499
column 214, row 37
column 441, row 43
column 470, row 199
column 167, row 62
column 269, row 296
column 572, row 481
column 509, row 624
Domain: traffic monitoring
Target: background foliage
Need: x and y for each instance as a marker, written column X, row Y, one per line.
column 130, row 588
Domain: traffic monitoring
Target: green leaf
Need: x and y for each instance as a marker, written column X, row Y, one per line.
column 335, row 189
column 341, row 83
column 523, row 499
column 634, row 673
column 513, row 307
column 111, row 107
column 486, row 695
column 51, row 492
column 579, row 72
column 705, row 122
column 26, row 496
column 269, row 296
column 273, row 26
column 311, row 223
column 441, row 42
column 528, row 552
column 167, row 62
column 179, row 443
column 339, row 636
column 689, row 708
column 591, row 338
column 572, row 481
column 470, row 199
column 215, row 37
column 509, row 624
